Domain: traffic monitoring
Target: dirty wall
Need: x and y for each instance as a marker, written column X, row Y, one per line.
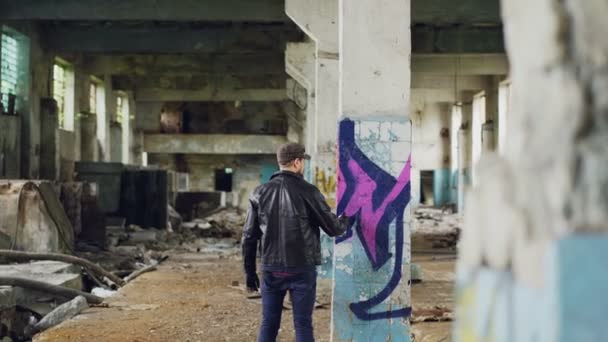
column 248, row 170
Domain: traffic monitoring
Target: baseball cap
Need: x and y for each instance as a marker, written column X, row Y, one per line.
column 291, row 151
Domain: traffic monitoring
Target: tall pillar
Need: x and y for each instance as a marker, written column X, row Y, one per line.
column 49, row 140
column 371, row 292
column 116, row 139
column 300, row 64
column 109, row 110
column 463, row 139
column 488, row 137
column 88, row 137
column 464, row 154
column 319, row 19
column 441, row 174
column 490, row 127
column 532, row 261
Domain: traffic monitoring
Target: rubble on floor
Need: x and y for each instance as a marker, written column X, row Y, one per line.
column 435, row 234
column 128, row 252
column 435, row 229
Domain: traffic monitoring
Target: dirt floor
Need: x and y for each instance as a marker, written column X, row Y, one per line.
column 432, row 299
column 198, row 297
column 192, row 298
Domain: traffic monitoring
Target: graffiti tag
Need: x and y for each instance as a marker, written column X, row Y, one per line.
column 375, row 199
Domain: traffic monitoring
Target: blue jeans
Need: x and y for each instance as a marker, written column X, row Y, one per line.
column 302, row 287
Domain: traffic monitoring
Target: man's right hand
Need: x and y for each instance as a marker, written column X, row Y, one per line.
column 253, row 282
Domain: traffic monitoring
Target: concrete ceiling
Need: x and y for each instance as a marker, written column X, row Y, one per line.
column 212, row 26
column 177, row 48
column 423, row 11
column 166, row 37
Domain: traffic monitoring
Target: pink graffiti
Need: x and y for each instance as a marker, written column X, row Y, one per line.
column 361, row 200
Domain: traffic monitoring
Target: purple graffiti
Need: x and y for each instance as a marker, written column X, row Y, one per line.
column 375, row 199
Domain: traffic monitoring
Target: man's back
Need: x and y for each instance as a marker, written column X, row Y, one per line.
column 286, row 214
column 289, row 213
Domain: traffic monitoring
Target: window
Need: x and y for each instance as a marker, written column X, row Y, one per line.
column 9, row 63
column 93, row 97
column 59, row 89
column 97, row 106
column 123, row 116
column 223, row 180
column 63, row 93
column 122, row 108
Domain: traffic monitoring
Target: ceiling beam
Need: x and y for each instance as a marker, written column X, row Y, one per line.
column 145, row 10
column 111, row 39
column 198, row 81
column 212, row 143
column 210, row 94
column 457, row 39
column 423, row 11
column 460, row 64
column 436, row 81
column 191, row 64
column 420, row 97
column 455, row 11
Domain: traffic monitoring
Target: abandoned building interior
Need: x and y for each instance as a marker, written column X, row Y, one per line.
column 468, row 140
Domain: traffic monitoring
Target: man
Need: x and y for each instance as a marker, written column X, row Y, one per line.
column 285, row 214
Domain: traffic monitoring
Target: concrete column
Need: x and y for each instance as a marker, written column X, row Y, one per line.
column 127, row 131
column 441, row 175
column 10, row 146
column 371, row 294
column 49, row 140
column 300, row 64
column 110, row 113
column 464, row 154
column 88, row 137
column 116, row 139
column 504, row 95
column 531, row 263
column 463, row 137
column 490, row 126
column 488, row 137
column 319, row 19
column 430, row 148
column 41, row 69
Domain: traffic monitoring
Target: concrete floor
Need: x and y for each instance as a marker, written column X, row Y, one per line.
column 432, row 299
column 191, row 298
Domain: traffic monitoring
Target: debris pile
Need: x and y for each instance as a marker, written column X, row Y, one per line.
column 435, row 228
column 99, row 267
column 222, row 223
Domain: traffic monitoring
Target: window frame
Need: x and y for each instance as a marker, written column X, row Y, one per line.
column 66, row 100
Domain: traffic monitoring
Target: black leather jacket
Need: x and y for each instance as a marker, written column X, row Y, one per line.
column 286, row 214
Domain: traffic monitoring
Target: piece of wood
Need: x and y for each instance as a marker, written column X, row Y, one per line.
column 141, row 271
column 48, row 288
column 27, row 256
column 61, row 313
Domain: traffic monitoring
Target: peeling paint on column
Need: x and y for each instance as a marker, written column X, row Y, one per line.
column 371, row 298
column 325, row 180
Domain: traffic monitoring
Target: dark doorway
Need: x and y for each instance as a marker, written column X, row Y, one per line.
column 223, row 180
column 426, row 187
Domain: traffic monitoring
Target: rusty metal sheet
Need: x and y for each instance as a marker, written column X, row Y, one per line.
column 33, row 219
